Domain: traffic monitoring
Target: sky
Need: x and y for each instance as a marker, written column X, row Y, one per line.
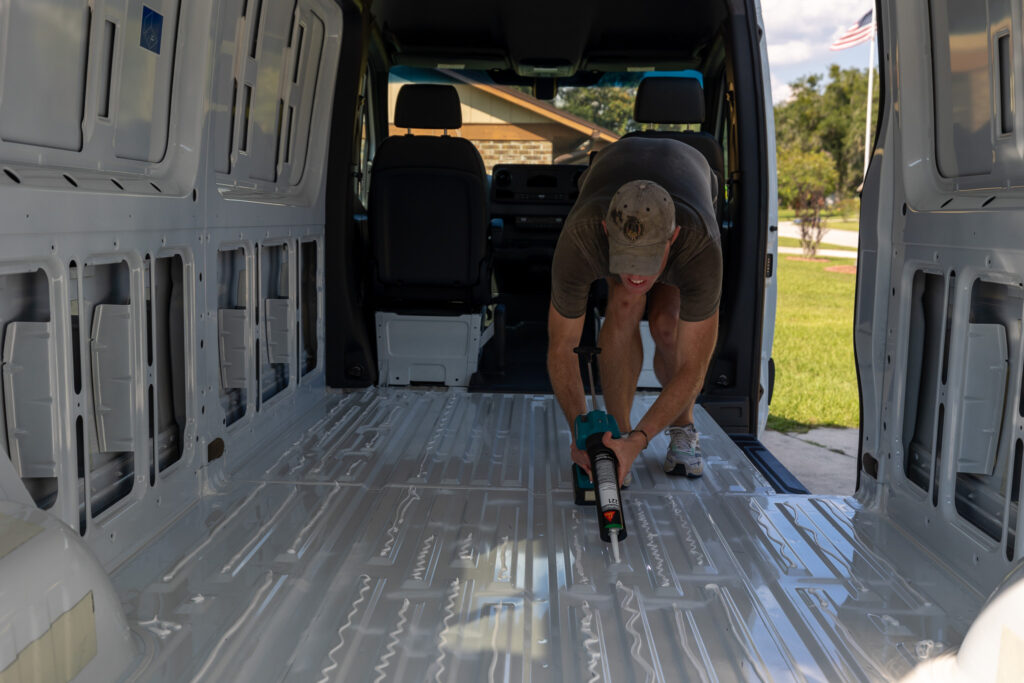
column 799, row 33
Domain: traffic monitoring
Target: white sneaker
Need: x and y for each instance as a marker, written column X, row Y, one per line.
column 684, row 456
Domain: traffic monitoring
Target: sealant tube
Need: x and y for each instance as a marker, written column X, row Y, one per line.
column 604, row 467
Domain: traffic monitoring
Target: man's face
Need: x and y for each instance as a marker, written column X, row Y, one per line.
column 637, row 283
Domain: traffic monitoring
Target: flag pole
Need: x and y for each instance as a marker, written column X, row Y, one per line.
column 867, row 124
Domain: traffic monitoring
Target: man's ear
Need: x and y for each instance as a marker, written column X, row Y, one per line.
column 675, row 234
column 604, row 227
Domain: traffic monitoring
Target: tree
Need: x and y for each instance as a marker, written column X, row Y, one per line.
column 805, row 179
column 829, row 115
column 610, row 107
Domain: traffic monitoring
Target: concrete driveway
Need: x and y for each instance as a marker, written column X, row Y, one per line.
column 823, row 459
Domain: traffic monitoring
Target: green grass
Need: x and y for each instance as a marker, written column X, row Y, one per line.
column 815, row 380
column 843, row 223
column 794, row 242
column 850, row 221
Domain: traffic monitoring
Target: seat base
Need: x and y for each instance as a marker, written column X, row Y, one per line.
column 429, row 348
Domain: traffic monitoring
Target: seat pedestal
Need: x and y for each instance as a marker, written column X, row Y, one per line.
column 429, row 348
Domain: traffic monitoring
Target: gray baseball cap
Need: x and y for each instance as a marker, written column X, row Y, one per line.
column 640, row 221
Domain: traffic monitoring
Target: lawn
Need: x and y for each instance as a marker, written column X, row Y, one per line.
column 815, row 380
column 843, row 223
column 794, row 242
column 849, row 221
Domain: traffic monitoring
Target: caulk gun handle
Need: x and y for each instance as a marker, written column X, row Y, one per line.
column 587, row 353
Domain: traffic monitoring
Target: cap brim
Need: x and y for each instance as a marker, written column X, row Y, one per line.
column 635, row 260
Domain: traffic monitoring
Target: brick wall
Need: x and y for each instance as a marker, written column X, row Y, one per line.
column 513, row 152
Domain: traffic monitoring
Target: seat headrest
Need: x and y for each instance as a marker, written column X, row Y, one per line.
column 428, row 105
column 669, row 99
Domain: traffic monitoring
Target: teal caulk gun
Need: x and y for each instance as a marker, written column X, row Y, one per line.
column 588, row 431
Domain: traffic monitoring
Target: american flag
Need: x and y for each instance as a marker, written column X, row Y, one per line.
column 861, row 32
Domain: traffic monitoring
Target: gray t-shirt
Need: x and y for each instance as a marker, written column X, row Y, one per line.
column 695, row 258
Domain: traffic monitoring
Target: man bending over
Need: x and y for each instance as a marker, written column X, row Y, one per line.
column 645, row 221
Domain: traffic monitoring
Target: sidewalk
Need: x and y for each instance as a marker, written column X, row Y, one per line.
column 830, row 253
column 841, row 238
column 824, row 459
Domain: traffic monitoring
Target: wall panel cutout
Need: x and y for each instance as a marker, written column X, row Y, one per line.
column 106, row 69
column 926, row 337
column 169, row 358
column 1014, row 503
column 28, row 397
column 985, row 442
column 278, row 320
column 107, row 315
column 234, row 340
column 308, row 308
column 43, row 97
column 303, row 96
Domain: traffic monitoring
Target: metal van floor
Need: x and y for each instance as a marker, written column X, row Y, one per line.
column 410, row 535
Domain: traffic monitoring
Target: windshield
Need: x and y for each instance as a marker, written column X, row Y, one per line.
column 508, row 125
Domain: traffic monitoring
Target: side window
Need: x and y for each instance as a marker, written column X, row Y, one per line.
column 366, row 147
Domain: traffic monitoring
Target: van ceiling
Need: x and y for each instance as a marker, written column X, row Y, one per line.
column 538, row 37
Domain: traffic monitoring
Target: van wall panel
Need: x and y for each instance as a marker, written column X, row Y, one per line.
column 225, row 84
column 96, row 219
column 306, row 88
column 266, row 101
column 44, row 66
column 147, row 65
column 963, row 88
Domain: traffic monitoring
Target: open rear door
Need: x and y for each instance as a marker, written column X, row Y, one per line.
column 939, row 292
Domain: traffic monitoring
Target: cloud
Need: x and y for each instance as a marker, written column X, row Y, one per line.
column 812, row 20
column 799, row 32
column 790, row 52
column 780, row 91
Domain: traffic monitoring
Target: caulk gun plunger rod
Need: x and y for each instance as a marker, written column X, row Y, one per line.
column 593, row 387
column 588, row 353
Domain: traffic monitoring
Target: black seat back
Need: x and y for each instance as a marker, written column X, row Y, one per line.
column 428, row 210
column 678, row 100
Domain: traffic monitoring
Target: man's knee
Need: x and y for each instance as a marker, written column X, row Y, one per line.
column 622, row 309
column 664, row 323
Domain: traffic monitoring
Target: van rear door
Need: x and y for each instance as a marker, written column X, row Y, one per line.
column 941, row 282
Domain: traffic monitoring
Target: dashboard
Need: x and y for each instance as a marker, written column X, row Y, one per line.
column 533, row 201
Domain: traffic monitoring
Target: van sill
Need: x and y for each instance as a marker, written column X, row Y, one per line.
column 781, row 479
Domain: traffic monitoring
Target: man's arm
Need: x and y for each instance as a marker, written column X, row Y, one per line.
column 564, row 372
column 694, row 346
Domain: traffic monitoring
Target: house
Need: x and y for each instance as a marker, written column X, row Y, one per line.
column 509, row 126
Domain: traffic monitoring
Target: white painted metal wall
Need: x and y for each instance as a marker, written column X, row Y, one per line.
column 133, row 132
column 938, row 320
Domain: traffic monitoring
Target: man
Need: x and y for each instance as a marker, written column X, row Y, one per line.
column 645, row 220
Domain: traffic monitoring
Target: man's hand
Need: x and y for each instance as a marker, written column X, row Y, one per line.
column 582, row 459
column 626, row 451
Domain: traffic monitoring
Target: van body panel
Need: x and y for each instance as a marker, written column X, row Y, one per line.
column 938, row 270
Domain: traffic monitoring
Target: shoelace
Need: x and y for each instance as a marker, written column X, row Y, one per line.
column 681, row 434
